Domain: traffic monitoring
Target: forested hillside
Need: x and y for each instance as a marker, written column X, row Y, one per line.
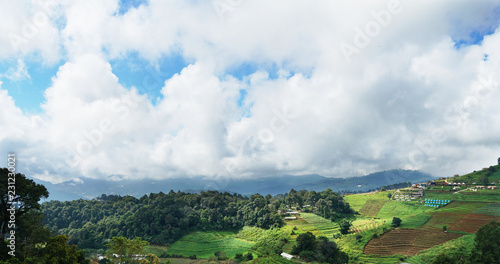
column 164, row 218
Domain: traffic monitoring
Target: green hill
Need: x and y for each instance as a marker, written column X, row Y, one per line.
column 485, row 176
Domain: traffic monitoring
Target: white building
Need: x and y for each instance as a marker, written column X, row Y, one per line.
column 286, row 255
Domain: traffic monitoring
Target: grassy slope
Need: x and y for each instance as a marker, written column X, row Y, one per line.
column 326, row 227
column 427, row 255
column 204, row 244
column 414, row 216
column 378, row 212
column 357, row 201
column 475, row 176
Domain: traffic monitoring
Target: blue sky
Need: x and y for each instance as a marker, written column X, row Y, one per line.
column 254, row 89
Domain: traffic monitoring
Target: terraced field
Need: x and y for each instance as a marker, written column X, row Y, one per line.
column 361, row 225
column 407, row 241
column 472, row 222
column 420, row 233
column 372, row 207
column 402, row 210
column 327, row 227
column 457, row 216
column 490, row 209
column 204, row 244
column 357, row 201
column 452, row 213
column 425, row 256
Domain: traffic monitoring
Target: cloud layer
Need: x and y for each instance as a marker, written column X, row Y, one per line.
column 336, row 88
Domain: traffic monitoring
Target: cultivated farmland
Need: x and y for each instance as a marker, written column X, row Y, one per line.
column 407, row 241
column 472, row 222
column 204, row 244
column 372, row 207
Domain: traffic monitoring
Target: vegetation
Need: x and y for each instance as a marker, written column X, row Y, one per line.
column 345, row 225
column 123, row 250
column 204, row 244
column 487, row 243
column 165, row 218
column 158, row 218
column 28, row 240
column 396, row 222
column 485, row 176
column 311, row 249
column 212, row 226
column 396, row 186
column 26, row 193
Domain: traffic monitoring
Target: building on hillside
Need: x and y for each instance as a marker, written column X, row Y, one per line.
column 286, row 255
column 418, row 194
column 290, row 218
column 293, row 213
column 439, row 183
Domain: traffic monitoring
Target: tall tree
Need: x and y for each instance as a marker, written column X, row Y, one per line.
column 487, row 243
column 124, row 250
column 57, row 251
column 20, row 198
column 305, row 242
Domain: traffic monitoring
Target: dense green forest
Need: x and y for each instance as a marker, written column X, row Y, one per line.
column 164, row 218
column 122, row 227
column 25, row 238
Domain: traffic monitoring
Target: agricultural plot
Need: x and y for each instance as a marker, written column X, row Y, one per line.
column 301, row 226
column 401, row 210
column 426, row 256
column 415, row 221
column 452, row 213
column 357, row 201
column 186, row 261
column 361, row 225
column 204, row 244
column 372, row 207
column 490, row 209
column 327, row 227
column 465, row 196
column 407, row 241
column 440, row 219
column 272, row 260
column 472, row 222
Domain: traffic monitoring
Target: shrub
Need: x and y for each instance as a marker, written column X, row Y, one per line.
column 308, row 255
column 249, row 256
column 239, row 257
column 344, row 226
column 396, row 222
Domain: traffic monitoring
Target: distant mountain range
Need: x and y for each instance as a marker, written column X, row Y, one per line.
column 90, row 188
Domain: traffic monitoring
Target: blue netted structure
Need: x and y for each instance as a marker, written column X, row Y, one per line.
column 436, row 203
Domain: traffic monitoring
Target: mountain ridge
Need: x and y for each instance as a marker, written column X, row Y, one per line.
column 87, row 188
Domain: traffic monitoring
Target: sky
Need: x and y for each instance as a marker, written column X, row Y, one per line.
column 110, row 89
